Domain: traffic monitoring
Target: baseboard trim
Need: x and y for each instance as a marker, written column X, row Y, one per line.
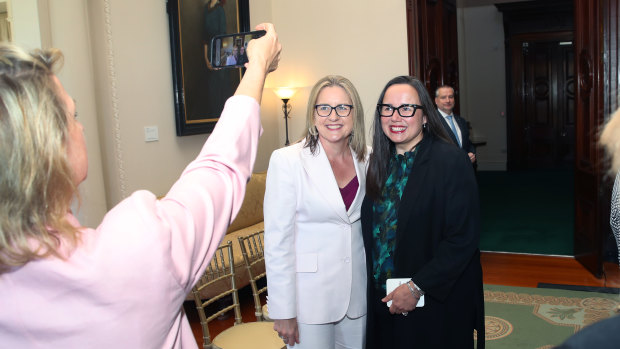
column 610, row 290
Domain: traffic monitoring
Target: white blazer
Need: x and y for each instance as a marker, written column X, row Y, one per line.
column 314, row 250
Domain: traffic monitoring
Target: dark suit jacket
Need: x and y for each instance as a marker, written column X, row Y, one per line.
column 437, row 245
column 462, row 124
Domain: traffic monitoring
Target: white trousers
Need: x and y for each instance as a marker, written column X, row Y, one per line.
column 345, row 334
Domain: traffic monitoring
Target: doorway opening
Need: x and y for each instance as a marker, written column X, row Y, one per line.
column 523, row 57
column 485, row 92
column 536, row 212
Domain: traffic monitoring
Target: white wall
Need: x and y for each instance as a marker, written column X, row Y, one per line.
column 121, row 76
column 143, row 86
column 25, row 23
column 5, row 31
column 134, row 90
column 482, row 82
column 363, row 46
column 65, row 25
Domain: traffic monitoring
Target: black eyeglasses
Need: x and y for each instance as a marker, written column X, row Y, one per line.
column 404, row 110
column 342, row 110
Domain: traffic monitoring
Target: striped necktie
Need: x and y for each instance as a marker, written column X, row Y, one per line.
column 453, row 127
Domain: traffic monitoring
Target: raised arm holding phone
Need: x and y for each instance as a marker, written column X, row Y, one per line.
column 123, row 283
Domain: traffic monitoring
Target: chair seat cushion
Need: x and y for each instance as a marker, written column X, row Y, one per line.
column 251, row 211
column 250, row 335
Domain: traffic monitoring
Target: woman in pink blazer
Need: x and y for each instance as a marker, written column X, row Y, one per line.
column 123, row 283
column 314, row 249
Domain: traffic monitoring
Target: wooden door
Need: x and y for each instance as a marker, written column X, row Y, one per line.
column 596, row 35
column 433, row 43
column 543, row 123
column 595, row 27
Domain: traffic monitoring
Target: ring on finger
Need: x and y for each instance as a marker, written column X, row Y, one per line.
column 405, row 313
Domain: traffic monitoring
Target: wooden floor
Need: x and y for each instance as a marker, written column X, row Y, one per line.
column 528, row 270
column 498, row 269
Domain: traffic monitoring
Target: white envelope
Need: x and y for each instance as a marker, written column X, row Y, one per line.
column 391, row 284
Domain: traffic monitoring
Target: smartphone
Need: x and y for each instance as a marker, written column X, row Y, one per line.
column 230, row 50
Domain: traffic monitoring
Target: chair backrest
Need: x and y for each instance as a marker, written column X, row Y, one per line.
column 218, row 269
column 254, row 258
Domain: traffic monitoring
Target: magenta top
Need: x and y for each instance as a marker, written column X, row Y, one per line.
column 349, row 191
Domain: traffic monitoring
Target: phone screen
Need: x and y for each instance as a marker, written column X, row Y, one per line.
column 230, row 50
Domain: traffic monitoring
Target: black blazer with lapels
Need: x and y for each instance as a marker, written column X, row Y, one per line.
column 462, row 124
column 437, row 245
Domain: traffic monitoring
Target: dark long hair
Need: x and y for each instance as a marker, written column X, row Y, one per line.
column 383, row 147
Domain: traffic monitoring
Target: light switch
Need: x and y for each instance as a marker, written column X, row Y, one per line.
column 151, row 134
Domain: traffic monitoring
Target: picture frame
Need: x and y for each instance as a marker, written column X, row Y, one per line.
column 199, row 93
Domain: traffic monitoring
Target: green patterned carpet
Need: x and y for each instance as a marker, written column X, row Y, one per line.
column 520, row 317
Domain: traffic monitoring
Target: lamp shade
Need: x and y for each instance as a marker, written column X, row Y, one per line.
column 285, row 92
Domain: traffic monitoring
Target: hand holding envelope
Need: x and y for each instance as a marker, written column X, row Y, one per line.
column 402, row 298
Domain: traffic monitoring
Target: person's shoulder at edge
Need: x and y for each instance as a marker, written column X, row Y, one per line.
column 603, row 334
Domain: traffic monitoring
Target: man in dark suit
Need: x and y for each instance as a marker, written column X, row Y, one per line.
column 455, row 125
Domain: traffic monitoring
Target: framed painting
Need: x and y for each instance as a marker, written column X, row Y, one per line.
column 199, row 91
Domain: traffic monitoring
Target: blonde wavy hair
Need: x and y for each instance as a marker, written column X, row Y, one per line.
column 610, row 141
column 36, row 183
column 357, row 140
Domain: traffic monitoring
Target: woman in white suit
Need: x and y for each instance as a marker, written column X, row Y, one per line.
column 314, row 249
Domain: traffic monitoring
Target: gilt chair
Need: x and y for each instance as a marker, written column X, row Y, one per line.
column 252, row 248
column 242, row 335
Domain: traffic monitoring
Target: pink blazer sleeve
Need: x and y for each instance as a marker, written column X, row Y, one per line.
column 205, row 199
column 135, row 269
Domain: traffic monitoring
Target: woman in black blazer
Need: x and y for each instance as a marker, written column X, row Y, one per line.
column 421, row 224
